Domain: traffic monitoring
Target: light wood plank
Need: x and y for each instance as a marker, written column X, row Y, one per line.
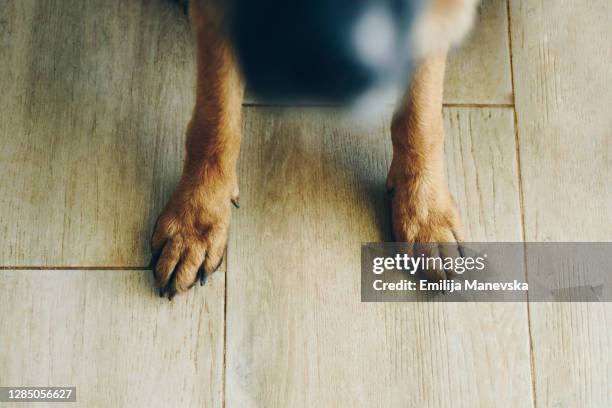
column 297, row 334
column 95, row 99
column 562, row 58
column 478, row 70
column 482, row 172
column 111, row 336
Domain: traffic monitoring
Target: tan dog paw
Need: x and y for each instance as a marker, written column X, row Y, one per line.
column 426, row 216
column 191, row 234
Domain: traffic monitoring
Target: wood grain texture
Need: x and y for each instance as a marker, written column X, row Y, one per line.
column 478, row 71
column 297, row 333
column 111, row 336
column 562, row 57
column 482, row 172
column 95, row 99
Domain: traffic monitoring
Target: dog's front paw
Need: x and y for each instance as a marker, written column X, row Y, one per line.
column 426, row 216
column 191, row 234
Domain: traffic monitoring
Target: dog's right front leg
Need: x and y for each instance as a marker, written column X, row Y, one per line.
column 424, row 213
column 191, row 233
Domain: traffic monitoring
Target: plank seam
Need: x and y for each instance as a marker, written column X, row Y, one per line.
column 521, row 203
column 444, row 105
column 74, row 268
column 224, row 378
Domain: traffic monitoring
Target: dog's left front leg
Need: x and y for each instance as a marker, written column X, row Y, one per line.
column 423, row 210
column 191, row 233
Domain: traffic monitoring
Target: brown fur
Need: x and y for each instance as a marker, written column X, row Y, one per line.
column 191, row 233
column 422, row 208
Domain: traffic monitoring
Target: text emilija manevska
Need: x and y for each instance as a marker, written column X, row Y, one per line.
column 460, row 265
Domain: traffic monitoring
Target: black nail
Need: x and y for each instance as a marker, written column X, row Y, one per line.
column 154, row 258
column 236, row 202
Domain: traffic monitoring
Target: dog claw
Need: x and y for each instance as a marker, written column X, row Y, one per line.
column 191, row 236
column 236, row 202
column 154, row 258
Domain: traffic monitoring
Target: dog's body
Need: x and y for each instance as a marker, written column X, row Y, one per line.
column 191, row 233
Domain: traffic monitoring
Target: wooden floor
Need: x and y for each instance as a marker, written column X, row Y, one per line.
column 94, row 99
